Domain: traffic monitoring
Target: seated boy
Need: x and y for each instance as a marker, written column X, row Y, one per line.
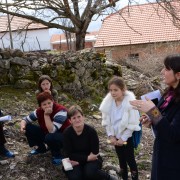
column 52, row 120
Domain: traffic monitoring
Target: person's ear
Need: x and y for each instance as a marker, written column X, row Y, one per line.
column 177, row 75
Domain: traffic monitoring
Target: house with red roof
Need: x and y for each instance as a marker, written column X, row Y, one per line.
column 26, row 35
column 140, row 31
column 59, row 41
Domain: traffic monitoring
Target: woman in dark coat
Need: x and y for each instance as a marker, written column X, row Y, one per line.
column 165, row 120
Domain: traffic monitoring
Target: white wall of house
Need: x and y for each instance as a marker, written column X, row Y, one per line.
column 31, row 40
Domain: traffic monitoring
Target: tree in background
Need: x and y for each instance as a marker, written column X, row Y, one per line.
column 79, row 13
column 52, row 13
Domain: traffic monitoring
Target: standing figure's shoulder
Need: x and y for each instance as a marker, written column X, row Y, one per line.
column 106, row 103
column 54, row 91
column 37, row 92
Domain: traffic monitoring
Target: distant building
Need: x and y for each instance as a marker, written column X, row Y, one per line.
column 26, row 35
column 59, row 42
column 140, row 31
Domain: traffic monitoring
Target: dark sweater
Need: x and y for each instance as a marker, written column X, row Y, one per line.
column 2, row 138
column 78, row 147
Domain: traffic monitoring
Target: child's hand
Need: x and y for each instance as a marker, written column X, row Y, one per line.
column 112, row 140
column 23, row 126
column 120, row 142
column 144, row 119
column 92, row 157
column 48, row 111
column 47, row 90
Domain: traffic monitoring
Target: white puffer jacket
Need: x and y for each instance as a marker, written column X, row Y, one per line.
column 130, row 117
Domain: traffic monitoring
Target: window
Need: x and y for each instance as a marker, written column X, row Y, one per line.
column 134, row 56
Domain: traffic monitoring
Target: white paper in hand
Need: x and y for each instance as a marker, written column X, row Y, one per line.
column 67, row 164
column 152, row 95
column 5, row 118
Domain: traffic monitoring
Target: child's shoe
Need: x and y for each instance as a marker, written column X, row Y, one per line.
column 9, row 154
column 56, row 160
column 39, row 150
column 5, row 152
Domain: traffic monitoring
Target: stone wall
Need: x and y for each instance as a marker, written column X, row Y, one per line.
column 147, row 57
column 80, row 74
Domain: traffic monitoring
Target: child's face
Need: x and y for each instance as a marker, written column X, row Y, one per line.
column 47, row 104
column 116, row 92
column 45, row 85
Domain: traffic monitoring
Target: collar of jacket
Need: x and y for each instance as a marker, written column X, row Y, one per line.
column 106, row 104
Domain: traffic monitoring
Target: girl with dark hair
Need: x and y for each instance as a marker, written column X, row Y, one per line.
column 165, row 120
column 45, row 85
column 120, row 121
column 52, row 120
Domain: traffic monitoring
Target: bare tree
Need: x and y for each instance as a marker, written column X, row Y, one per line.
column 51, row 12
column 79, row 12
column 69, row 41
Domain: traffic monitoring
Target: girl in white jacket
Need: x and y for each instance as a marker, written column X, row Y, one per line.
column 120, row 120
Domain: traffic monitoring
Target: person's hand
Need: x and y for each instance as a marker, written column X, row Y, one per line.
column 144, row 119
column 48, row 111
column 74, row 163
column 23, row 126
column 47, row 90
column 120, row 142
column 142, row 105
column 92, row 157
column 112, row 140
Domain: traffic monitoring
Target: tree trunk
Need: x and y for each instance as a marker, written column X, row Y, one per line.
column 80, row 40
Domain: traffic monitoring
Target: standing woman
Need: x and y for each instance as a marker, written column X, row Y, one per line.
column 165, row 120
column 120, row 120
column 81, row 146
column 45, row 85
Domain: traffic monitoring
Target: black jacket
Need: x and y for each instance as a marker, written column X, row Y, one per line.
column 166, row 151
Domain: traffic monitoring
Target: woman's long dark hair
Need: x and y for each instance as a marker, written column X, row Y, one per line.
column 41, row 79
column 172, row 62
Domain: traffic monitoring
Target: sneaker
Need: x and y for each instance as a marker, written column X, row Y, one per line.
column 9, row 154
column 37, row 151
column 56, row 161
column 112, row 177
column 6, row 153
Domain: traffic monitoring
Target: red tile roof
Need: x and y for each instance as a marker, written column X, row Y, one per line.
column 57, row 37
column 138, row 24
column 18, row 23
column 90, row 36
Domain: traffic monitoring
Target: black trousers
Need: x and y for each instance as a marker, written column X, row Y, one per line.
column 36, row 137
column 2, row 138
column 126, row 157
column 89, row 171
